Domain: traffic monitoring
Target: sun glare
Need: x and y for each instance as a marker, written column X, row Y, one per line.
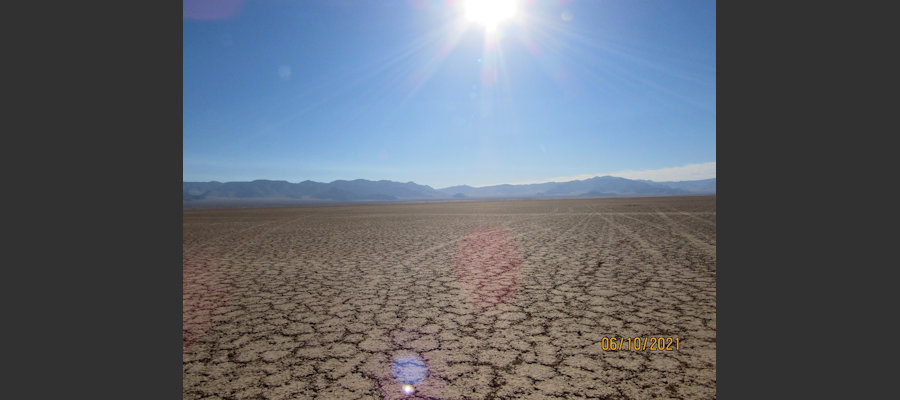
column 490, row 13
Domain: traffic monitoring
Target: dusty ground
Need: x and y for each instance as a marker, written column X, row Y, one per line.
column 460, row 300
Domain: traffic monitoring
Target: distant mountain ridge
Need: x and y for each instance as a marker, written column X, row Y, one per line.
column 340, row 190
column 599, row 186
column 704, row 186
column 283, row 192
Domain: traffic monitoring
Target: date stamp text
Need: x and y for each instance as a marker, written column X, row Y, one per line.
column 651, row 343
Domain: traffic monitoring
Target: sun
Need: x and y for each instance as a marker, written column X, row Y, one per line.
column 490, row 13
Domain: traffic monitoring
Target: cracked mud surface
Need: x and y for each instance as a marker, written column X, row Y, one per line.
column 463, row 300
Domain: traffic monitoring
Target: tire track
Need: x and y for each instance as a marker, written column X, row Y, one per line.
column 683, row 232
column 351, row 302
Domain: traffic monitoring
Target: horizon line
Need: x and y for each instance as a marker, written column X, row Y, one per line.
column 688, row 172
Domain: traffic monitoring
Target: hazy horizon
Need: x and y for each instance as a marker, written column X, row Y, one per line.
column 686, row 173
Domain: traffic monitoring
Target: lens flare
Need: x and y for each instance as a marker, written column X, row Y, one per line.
column 284, row 72
column 210, row 9
column 409, row 369
column 488, row 267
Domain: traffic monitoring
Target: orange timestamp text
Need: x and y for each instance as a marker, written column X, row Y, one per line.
column 659, row 343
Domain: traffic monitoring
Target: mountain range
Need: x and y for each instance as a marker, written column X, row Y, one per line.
column 268, row 192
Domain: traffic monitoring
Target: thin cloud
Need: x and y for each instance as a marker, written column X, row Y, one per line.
column 690, row 172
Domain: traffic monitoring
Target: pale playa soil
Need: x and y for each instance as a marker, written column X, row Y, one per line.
column 497, row 299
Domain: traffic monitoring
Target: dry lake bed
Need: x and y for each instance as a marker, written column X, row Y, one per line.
column 452, row 300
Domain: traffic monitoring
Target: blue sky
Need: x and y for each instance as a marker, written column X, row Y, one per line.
column 413, row 90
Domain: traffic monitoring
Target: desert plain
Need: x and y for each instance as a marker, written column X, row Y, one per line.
column 451, row 300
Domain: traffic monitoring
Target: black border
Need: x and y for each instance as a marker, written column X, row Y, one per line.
column 94, row 276
column 121, row 294
column 771, row 266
